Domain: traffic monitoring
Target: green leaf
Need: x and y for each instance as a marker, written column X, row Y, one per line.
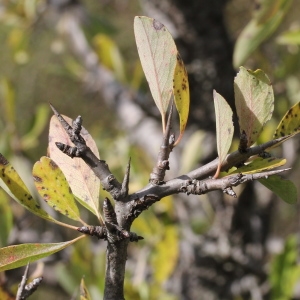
column 52, row 185
column 181, row 95
column 157, row 52
column 285, row 271
column 224, row 128
column 16, row 256
column 84, row 183
column 254, row 101
column 84, row 293
column 259, row 165
column 290, row 123
column 283, row 188
column 291, row 37
column 266, row 21
column 14, row 185
column 6, row 220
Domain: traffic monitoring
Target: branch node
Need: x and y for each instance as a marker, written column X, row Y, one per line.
column 109, row 212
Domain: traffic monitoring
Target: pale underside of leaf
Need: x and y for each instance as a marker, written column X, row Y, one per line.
column 20, row 255
column 82, row 180
column 181, row 95
column 254, row 101
column 54, row 188
column 157, row 52
column 224, row 128
column 290, row 123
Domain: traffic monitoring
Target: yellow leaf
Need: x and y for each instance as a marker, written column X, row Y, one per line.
column 290, row 123
column 181, row 95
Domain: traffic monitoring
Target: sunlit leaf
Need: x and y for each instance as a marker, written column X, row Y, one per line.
column 157, row 52
column 15, row 256
column 14, row 185
column 264, row 23
column 290, row 123
column 285, row 189
column 84, row 293
column 260, row 164
column 254, row 101
column 166, row 254
column 181, row 95
column 82, row 180
column 224, row 128
column 52, row 185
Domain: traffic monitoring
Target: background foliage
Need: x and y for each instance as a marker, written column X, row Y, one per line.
column 38, row 66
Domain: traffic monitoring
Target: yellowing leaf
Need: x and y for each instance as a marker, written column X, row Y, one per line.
column 157, row 52
column 84, row 293
column 181, row 95
column 259, row 28
column 166, row 254
column 290, row 123
column 259, row 165
column 254, row 101
column 283, row 188
column 82, row 180
column 54, row 188
column 15, row 187
column 20, row 255
column 224, row 128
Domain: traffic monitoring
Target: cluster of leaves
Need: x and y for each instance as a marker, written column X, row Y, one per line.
column 61, row 180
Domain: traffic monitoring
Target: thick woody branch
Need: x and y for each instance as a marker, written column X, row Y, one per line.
column 198, row 187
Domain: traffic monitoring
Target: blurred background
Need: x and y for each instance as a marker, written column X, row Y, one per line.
column 81, row 56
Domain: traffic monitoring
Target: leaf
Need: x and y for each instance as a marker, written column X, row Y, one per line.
column 165, row 254
column 224, row 128
column 259, row 28
column 283, row 188
column 16, row 256
column 254, row 101
column 181, row 95
column 14, row 185
column 82, row 180
column 52, row 185
column 259, row 165
column 290, row 123
column 157, row 52
column 291, row 37
column 84, row 293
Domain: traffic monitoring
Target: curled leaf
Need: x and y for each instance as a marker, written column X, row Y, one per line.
column 224, row 128
column 181, row 95
column 254, row 101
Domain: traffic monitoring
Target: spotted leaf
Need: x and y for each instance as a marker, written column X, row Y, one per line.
column 53, row 187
